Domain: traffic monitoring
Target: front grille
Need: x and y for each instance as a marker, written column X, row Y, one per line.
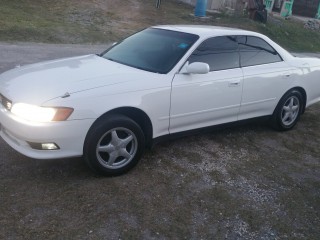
column 5, row 102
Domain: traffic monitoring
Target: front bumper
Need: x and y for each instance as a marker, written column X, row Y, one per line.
column 68, row 135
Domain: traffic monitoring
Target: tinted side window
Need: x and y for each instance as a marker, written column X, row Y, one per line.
column 256, row 51
column 219, row 52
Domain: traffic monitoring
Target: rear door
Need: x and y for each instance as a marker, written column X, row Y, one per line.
column 266, row 77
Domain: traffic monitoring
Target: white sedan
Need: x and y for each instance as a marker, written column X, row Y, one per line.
column 158, row 82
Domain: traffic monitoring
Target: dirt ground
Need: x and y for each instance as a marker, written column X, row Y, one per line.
column 247, row 182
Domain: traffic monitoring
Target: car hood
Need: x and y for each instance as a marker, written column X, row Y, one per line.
column 44, row 81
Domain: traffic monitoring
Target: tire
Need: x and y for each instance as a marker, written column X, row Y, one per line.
column 288, row 111
column 114, row 145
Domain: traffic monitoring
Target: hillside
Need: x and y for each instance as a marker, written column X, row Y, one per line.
column 101, row 21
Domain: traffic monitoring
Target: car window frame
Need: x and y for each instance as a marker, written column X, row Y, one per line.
column 212, row 37
column 259, row 64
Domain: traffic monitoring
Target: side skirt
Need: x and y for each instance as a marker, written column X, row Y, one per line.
column 169, row 137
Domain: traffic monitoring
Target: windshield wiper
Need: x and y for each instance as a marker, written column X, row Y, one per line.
column 130, row 65
column 111, row 59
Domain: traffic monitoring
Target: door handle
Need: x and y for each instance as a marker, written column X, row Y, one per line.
column 286, row 75
column 234, row 83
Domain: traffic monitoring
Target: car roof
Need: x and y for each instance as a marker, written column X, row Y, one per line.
column 205, row 30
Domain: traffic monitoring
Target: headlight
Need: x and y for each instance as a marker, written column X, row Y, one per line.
column 40, row 114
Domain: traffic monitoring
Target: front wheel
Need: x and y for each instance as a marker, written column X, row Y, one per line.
column 114, row 145
column 288, row 111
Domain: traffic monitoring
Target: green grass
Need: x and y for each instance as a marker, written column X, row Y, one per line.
column 100, row 21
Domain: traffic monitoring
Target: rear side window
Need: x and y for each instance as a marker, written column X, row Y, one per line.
column 219, row 52
column 256, row 51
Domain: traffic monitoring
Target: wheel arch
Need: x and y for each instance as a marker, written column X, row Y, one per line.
column 304, row 96
column 276, row 119
column 137, row 115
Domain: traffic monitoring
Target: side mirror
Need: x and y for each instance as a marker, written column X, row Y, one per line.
column 196, row 68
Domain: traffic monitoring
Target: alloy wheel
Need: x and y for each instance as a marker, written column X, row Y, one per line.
column 290, row 111
column 116, row 148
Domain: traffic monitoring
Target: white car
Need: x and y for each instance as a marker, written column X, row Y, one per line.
column 158, row 82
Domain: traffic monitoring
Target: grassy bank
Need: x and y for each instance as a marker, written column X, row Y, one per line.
column 100, row 21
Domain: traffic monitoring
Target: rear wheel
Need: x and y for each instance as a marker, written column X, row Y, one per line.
column 114, row 145
column 288, row 111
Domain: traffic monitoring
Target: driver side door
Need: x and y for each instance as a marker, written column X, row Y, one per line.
column 201, row 100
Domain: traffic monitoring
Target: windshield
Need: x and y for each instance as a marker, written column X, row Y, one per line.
column 153, row 50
